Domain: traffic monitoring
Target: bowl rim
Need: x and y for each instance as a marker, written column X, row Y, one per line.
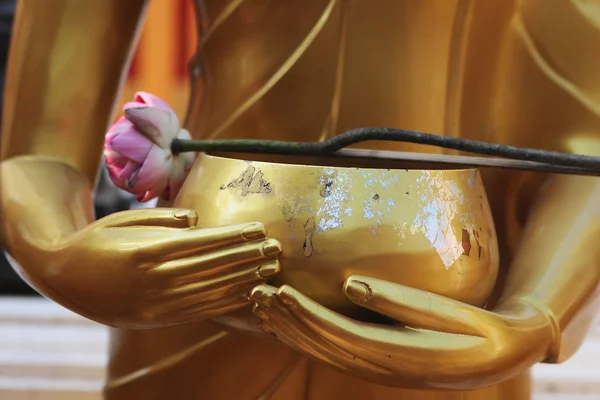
column 342, row 166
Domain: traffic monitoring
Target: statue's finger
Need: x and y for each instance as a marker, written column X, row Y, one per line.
column 214, row 288
column 276, row 318
column 417, row 308
column 156, row 217
column 403, row 353
column 181, row 268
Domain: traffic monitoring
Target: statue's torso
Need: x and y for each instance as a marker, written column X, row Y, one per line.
column 278, row 69
column 291, row 70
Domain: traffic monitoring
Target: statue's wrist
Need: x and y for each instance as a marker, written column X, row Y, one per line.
column 537, row 314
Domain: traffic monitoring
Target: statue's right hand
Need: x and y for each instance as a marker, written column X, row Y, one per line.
column 153, row 268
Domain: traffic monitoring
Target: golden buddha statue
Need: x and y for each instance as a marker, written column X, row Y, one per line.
column 185, row 299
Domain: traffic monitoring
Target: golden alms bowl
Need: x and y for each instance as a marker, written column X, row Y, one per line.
column 427, row 229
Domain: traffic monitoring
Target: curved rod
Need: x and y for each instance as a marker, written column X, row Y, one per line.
column 332, row 145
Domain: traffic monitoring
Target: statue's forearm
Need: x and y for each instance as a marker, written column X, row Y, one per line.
column 43, row 201
column 66, row 67
column 558, row 262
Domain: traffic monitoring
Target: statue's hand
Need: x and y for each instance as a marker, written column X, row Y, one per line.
column 445, row 344
column 154, row 268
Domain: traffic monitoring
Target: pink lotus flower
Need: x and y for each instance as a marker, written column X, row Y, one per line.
column 137, row 150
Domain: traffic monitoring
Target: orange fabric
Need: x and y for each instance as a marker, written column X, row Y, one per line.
column 167, row 44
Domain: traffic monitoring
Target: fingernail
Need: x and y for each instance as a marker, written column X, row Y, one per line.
column 262, row 294
column 254, row 231
column 271, row 249
column 190, row 215
column 357, row 291
column 285, row 297
column 268, row 270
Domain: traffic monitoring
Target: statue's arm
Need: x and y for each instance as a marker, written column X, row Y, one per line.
column 66, row 66
column 557, row 265
column 65, row 70
column 136, row 269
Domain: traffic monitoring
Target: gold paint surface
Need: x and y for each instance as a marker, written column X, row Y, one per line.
column 516, row 72
column 400, row 225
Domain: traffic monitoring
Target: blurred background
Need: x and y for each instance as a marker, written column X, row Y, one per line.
column 160, row 66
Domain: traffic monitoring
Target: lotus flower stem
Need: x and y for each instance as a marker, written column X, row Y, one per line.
column 387, row 134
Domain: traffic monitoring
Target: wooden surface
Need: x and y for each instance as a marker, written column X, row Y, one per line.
column 49, row 353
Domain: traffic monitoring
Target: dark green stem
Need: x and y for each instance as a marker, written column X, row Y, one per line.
column 385, row 134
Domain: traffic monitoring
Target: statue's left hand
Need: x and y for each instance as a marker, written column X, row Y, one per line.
column 437, row 342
